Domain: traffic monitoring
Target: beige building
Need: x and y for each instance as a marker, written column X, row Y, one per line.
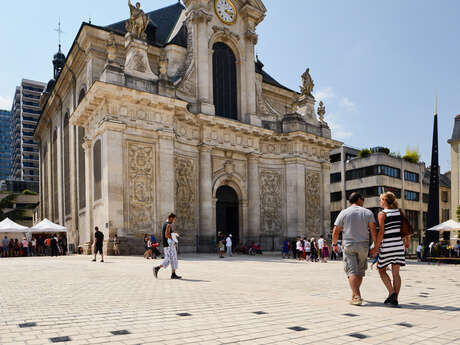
column 454, row 142
column 380, row 172
column 171, row 112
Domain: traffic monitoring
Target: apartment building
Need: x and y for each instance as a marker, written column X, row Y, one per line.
column 24, row 117
column 5, row 144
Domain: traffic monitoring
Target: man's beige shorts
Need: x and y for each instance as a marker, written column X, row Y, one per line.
column 355, row 259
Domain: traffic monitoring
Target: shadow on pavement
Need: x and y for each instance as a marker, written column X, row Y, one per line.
column 413, row 306
column 194, row 280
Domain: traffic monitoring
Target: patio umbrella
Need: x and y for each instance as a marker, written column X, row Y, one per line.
column 47, row 226
column 7, row 225
column 450, row 225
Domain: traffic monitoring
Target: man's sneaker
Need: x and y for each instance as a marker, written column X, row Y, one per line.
column 102, row 260
column 155, row 271
column 356, row 300
column 175, row 276
column 94, row 260
column 391, row 298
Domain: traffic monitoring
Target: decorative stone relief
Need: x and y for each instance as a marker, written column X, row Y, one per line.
column 186, row 197
column 188, row 83
column 270, row 201
column 313, row 201
column 140, row 187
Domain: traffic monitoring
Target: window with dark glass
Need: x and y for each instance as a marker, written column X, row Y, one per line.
column 224, row 81
column 334, row 216
column 412, row 217
column 336, row 177
column 336, row 196
column 411, row 176
column 395, row 191
column 411, row 196
column 445, row 214
column 335, row 157
column 97, row 170
column 444, row 196
column 425, row 198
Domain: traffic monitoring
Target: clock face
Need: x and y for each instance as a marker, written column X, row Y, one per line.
column 226, row 11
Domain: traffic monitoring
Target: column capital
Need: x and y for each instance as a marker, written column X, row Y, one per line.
column 205, row 148
column 254, row 156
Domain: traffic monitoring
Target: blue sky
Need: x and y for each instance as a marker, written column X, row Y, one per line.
column 376, row 64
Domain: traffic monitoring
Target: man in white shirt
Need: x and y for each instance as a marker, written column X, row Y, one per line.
column 228, row 244
column 419, row 252
column 320, row 247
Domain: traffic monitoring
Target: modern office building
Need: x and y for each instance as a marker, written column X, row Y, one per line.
column 24, row 117
column 5, row 144
column 379, row 172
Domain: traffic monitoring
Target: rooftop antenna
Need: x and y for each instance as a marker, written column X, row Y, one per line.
column 436, row 103
column 59, row 31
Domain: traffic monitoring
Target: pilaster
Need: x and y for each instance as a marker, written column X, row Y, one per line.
column 88, row 226
column 253, row 196
column 206, row 231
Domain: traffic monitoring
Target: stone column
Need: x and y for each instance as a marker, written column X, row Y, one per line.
column 112, row 180
column 253, row 196
column 207, row 231
column 295, row 197
column 325, row 199
column 166, row 177
column 88, row 225
column 59, row 172
column 73, row 184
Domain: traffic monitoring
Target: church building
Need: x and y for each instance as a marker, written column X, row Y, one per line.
column 171, row 111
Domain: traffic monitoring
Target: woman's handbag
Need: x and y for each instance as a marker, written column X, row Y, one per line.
column 406, row 228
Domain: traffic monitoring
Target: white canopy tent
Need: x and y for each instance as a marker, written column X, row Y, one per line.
column 450, row 225
column 8, row 226
column 47, row 226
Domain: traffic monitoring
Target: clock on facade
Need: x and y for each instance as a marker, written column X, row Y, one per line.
column 226, row 11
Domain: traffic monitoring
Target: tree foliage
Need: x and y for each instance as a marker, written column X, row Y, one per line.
column 364, row 153
column 7, row 210
column 412, row 155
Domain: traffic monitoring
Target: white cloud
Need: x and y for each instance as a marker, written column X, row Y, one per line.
column 5, row 103
column 338, row 129
column 324, row 94
column 347, row 104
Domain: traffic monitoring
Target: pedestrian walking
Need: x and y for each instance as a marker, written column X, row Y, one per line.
column 355, row 223
column 390, row 246
column 325, row 252
column 98, row 244
column 33, row 246
column 419, row 252
column 54, row 246
column 307, row 248
column 228, row 244
column 286, row 248
column 299, row 248
column 170, row 250
column 320, row 247
column 25, row 247
column 116, row 245
column 5, row 243
column 314, row 250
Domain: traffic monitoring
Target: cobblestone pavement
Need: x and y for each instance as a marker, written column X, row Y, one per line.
column 239, row 300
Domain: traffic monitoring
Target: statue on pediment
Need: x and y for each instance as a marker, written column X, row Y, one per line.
column 138, row 21
column 307, row 84
column 321, row 111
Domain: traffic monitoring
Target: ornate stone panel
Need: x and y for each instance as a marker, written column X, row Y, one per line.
column 313, row 201
column 270, row 201
column 186, row 197
column 140, row 187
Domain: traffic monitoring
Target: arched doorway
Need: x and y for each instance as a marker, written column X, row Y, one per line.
column 224, row 81
column 227, row 213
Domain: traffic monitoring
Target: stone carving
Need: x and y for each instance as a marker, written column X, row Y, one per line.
column 321, row 111
column 251, row 36
column 111, row 48
column 313, row 201
column 270, row 201
column 138, row 21
column 307, row 84
column 140, row 187
column 163, row 66
column 186, row 196
column 226, row 31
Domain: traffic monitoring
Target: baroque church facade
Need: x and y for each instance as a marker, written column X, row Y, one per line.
column 170, row 111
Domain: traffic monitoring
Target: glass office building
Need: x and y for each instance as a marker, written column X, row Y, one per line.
column 5, row 144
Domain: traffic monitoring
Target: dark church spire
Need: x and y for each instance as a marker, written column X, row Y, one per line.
column 59, row 57
column 433, row 201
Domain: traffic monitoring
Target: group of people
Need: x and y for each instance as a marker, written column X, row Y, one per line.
column 440, row 250
column 38, row 245
column 151, row 247
column 310, row 250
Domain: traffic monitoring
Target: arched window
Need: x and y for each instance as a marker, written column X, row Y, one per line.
column 224, row 81
column 81, row 169
column 97, row 170
column 66, row 165
column 81, row 95
column 54, row 174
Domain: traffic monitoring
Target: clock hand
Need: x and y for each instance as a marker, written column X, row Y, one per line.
column 229, row 12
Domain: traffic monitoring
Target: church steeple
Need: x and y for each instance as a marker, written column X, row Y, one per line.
column 58, row 62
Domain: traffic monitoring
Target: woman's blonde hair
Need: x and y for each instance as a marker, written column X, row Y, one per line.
column 390, row 198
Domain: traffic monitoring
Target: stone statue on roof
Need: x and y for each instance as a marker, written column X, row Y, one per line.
column 307, row 84
column 138, row 21
column 321, row 111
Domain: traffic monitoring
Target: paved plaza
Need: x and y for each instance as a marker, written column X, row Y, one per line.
column 239, row 300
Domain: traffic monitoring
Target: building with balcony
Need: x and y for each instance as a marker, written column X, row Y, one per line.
column 5, row 144
column 380, row 172
column 25, row 113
